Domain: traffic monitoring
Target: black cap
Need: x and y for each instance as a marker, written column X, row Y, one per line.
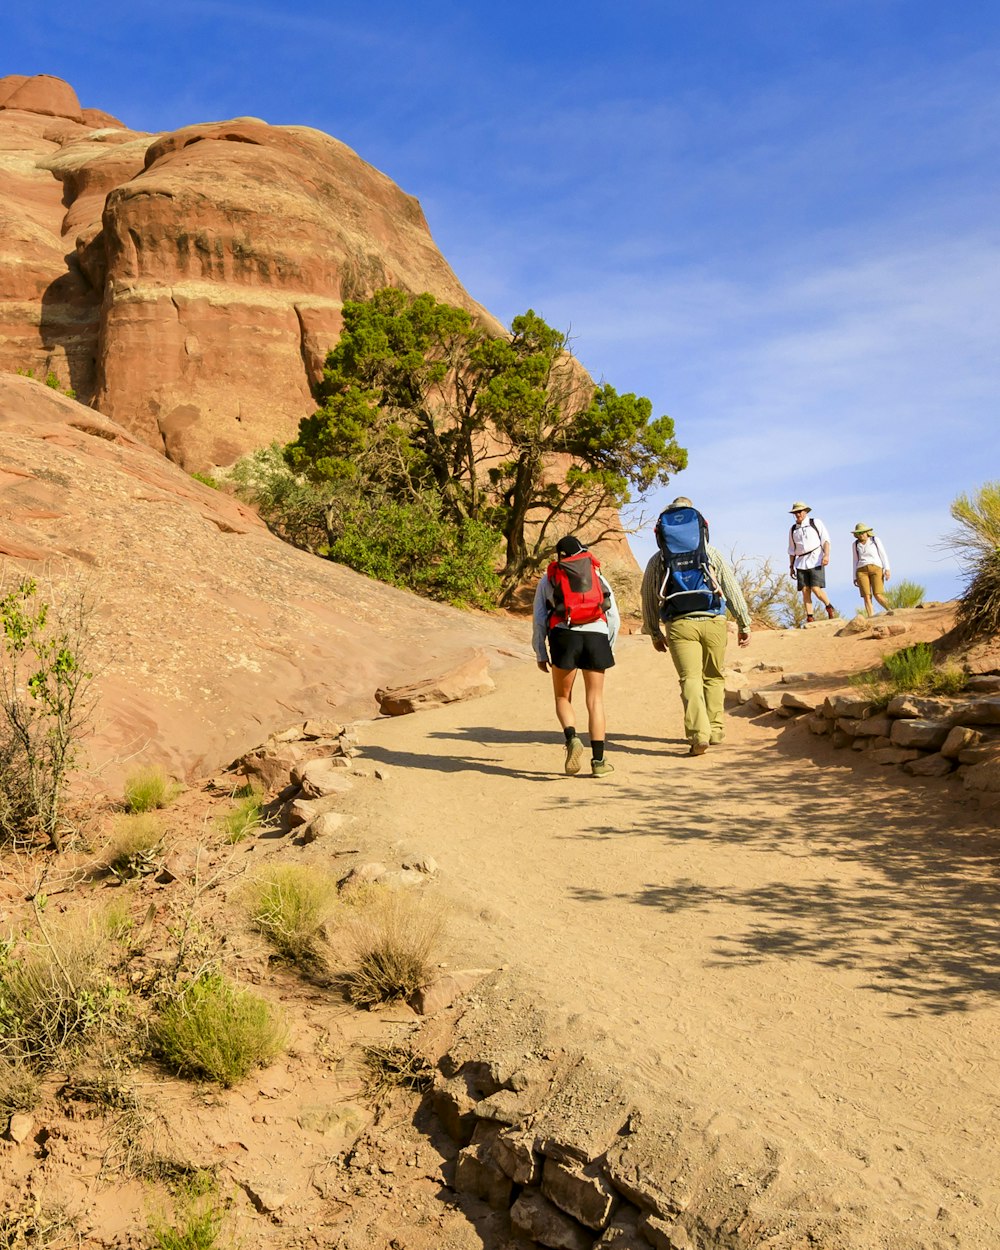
column 569, row 546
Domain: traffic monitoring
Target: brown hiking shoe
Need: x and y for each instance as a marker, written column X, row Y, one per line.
column 831, row 611
column 698, row 748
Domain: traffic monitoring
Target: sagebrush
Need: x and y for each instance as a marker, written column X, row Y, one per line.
column 44, row 705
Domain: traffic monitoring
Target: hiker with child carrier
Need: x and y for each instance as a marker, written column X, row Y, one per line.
column 574, row 627
column 687, row 588
column 808, row 556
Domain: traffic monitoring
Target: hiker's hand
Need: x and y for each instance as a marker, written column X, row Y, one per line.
column 826, row 561
column 886, row 575
column 744, row 640
column 543, row 665
column 659, row 644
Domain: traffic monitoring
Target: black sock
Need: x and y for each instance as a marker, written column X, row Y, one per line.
column 570, row 735
column 597, row 748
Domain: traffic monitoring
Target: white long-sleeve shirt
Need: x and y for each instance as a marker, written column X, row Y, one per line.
column 870, row 551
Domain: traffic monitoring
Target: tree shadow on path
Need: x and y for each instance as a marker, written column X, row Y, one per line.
column 917, row 912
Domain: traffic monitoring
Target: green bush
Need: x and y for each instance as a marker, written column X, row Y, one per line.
column 290, row 905
column 977, row 544
column 212, row 1029
column 43, row 709
column 410, row 545
column 911, row 670
column 245, row 817
column 149, row 788
column 905, row 595
column 196, row 1220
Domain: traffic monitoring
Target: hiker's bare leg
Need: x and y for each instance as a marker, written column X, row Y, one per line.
column 593, row 684
column 807, row 599
column 562, row 688
column 822, row 596
column 868, row 605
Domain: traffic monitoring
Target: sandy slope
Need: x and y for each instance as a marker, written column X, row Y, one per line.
column 782, row 936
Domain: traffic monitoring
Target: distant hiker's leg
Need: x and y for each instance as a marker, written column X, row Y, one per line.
column 878, row 588
column 562, row 688
column 807, row 600
column 686, row 653
column 714, row 638
column 593, row 684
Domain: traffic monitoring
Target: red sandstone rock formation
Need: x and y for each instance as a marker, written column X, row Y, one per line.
column 189, row 285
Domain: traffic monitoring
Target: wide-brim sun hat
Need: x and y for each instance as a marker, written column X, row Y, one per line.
column 799, row 507
column 861, row 528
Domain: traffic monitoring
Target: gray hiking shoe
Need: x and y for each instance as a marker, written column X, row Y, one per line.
column 698, row 748
column 600, row 768
column 574, row 756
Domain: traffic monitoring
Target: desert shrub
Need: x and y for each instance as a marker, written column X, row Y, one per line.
column 392, row 938
column 410, row 544
column 289, row 505
column 43, row 709
column 386, row 1068
column 196, row 1220
column 404, row 542
column 291, row 905
column 213, row 1029
column 52, row 381
column 20, row 1089
column 206, row 479
column 149, row 788
column 911, row 670
column 772, row 599
column 977, row 545
column 57, row 990
column 245, row 817
column 35, row 1225
column 905, row 594
column 135, row 846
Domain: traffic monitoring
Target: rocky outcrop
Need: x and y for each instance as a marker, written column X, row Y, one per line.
column 208, row 632
column 189, row 284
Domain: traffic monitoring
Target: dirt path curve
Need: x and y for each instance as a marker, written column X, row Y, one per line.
column 801, row 946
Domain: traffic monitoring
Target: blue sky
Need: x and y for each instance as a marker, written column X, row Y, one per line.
column 779, row 220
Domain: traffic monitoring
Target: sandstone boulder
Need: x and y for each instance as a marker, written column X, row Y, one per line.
column 467, row 680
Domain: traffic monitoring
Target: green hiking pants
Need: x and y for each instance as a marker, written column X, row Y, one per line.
column 698, row 650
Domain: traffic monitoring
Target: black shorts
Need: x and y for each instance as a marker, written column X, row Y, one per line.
column 580, row 648
column 815, row 578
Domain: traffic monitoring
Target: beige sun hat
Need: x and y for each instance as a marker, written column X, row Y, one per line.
column 861, row 528
column 799, row 506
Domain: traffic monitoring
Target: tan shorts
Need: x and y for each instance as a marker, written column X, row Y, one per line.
column 870, row 580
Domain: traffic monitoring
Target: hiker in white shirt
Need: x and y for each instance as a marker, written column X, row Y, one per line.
column 871, row 567
column 808, row 556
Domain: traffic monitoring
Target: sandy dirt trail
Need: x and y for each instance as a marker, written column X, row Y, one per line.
column 776, row 933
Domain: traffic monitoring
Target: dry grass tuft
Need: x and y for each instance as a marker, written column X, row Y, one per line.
column 291, row 906
column 392, row 938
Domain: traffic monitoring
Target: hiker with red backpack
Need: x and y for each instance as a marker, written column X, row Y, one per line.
column 808, row 556
column 687, row 589
column 574, row 626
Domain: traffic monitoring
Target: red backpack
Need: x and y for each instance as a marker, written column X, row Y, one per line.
column 579, row 595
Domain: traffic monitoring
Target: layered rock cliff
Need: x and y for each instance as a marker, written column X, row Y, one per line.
column 189, row 285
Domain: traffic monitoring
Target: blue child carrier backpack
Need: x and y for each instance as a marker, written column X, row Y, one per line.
column 688, row 582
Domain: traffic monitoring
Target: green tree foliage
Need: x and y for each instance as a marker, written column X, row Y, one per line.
column 508, row 432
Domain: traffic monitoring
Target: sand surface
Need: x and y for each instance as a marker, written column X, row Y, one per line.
column 777, row 932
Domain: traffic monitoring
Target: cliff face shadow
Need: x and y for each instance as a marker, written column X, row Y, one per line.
column 69, row 326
